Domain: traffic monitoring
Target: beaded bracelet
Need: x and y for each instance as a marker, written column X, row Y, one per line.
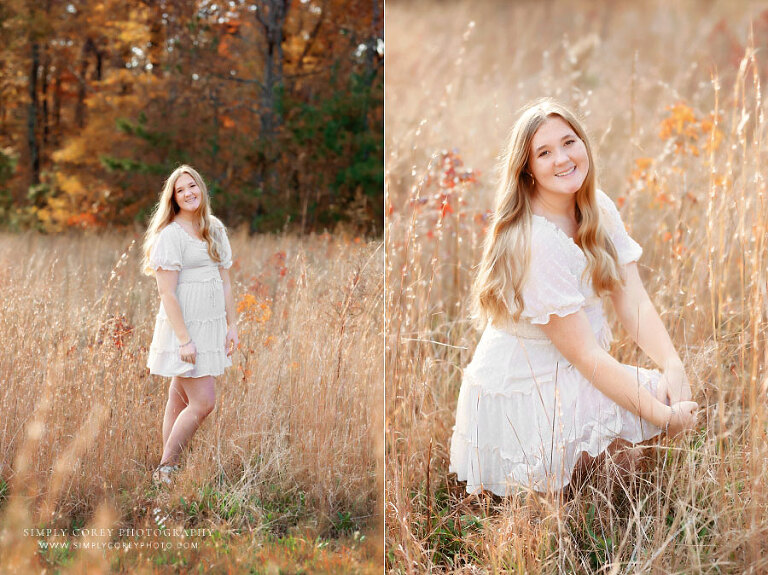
column 671, row 415
column 183, row 344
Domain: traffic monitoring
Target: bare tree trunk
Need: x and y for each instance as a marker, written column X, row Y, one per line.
column 44, row 100
column 217, row 172
column 156, row 36
column 371, row 51
column 272, row 15
column 46, row 67
column 99, row 63
column 372, row 57
column 312, row 35
column 81, row 88
column 57, row 105
column 88, row 48
column 34, row 152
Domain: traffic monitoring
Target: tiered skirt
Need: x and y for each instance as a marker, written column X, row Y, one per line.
column 201, row 296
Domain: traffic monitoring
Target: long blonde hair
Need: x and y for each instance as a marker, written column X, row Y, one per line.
column 506, row 252
column 167, row 208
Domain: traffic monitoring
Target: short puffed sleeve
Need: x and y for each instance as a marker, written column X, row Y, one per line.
column 627, row 249
column 166, row 253
column 551, row 286
column 226, row 254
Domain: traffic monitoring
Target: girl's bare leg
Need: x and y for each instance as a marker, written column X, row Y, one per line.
column 625, row 458
column 201, row 393
column 177, row 401
column 621, row 461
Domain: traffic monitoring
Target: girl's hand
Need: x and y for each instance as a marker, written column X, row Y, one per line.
column 673, row 386
column 188, row 352
column 683, row 417
column 232, row 342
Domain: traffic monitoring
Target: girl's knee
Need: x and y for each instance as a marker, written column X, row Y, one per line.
column 201, row 395
column 176, row 392
column 204, row 406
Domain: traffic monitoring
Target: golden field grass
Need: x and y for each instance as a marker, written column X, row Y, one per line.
column 286, row 473
column 672, row 95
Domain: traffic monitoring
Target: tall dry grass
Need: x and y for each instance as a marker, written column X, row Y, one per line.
column 672, row 94
column 293, row 447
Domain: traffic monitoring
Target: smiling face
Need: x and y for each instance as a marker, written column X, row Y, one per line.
column 187, row 194
column 558, row 159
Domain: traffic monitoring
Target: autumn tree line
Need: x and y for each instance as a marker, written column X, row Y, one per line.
column 278, row 103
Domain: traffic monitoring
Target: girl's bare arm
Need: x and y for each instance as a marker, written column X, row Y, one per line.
column 232, row 339
column 639, row 317
column 573, row 337
column 167, row 281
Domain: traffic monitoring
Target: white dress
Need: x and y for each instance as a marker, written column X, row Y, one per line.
column 200, row 292
column 524, row 414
